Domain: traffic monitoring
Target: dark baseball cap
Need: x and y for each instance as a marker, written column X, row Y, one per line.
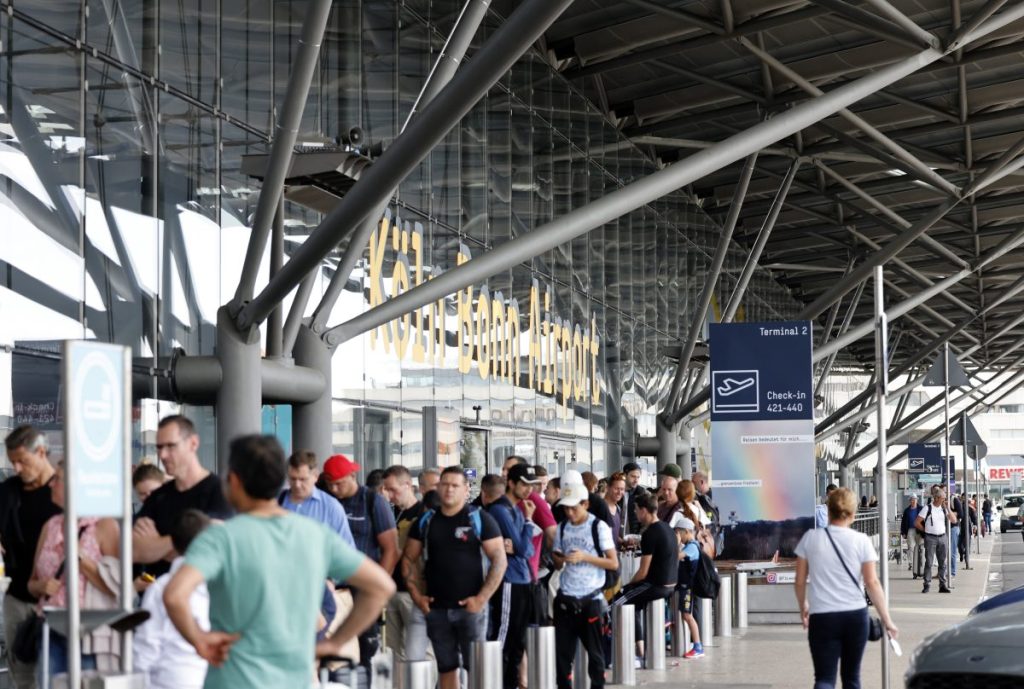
column 672, row 470
column 523, row 473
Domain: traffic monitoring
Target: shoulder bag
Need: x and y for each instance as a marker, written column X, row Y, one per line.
column 875, row 629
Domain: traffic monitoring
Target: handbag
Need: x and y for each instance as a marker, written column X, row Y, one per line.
column 875, row 629
column 28, row 635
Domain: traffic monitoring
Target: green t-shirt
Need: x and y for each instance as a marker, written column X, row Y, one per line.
column 266, row 579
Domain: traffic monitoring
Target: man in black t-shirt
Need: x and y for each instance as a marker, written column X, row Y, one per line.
column 25, row 505
column 443, row 564
column 192, row 487
column 659, row 564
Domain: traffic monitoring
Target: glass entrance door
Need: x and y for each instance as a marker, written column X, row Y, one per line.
column 556, row 454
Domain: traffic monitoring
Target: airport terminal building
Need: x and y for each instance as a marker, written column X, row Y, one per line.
column 135, row 139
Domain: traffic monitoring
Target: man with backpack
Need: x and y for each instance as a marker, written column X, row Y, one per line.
column 444, row 563
column 512, row 605
column 373, row 528
column 585, row 551
column 932, row 520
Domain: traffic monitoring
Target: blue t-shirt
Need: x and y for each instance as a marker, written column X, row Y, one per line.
column 364, row 528
column 688, row 564
column 582, row 579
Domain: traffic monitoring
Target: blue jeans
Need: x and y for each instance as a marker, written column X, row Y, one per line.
column 59, row 659
column 954, row 548
column 837, row 640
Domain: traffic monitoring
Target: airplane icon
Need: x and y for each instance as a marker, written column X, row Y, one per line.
column 731, row 386
column 735, row 392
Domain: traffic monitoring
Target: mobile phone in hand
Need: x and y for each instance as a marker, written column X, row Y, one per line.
column 895, row 646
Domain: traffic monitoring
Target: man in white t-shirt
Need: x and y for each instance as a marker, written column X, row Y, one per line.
column 933, row 520
column 585, row 550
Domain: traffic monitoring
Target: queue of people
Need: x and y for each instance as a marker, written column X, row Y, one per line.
column 248, row 579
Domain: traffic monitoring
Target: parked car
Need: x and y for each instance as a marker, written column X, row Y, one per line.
column 1008, row 508
column 981, row 652
column 1014, row 595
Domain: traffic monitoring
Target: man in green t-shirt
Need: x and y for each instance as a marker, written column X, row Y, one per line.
column 265, row 571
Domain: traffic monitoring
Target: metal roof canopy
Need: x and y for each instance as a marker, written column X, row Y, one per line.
column 677, row 77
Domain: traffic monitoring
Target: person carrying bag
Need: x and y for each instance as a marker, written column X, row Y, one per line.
column 831, row 596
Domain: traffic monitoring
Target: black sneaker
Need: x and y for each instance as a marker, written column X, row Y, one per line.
column 943, row 589
column 926, row 588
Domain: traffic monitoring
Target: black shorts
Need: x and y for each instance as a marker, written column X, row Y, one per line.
column 685, row 596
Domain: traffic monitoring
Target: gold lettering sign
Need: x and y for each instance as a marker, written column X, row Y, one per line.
column 561, row 358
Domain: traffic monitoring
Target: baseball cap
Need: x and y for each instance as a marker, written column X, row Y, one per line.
column 672, row 470
column 573, row 494
column 680, row 522
column 338, row 467
column 523, row 473
column 571, row 477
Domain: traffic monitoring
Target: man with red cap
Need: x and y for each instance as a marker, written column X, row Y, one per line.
column 373, row 527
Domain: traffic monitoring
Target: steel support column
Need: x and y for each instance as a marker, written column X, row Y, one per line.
column 275, row 322
column 667, row 439
column 312, row 422
column 639, row 193
column 295, row 314
column 285, row 133
column 448, row 61
column 239, row 398
column 524, row 26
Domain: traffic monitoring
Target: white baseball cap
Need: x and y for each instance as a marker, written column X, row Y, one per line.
column 678, row 521
column 573, row 494
column 571, row 477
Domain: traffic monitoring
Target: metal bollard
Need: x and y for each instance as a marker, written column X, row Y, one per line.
column 742, row 580
column 623, row 645
column 707, row 622
column 680, row 632
column 540, row 649
column 485, row 670
column 723, row 623
column 415, row 674
column 580, row 676
column 654, row 641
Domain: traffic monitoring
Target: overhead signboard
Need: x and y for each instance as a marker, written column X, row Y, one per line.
column 761, row 371
column 97, row 426
column 924, row 458
column 936, row 375
column 762, row 431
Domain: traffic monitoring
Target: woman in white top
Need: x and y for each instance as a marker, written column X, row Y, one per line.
column 833, row 567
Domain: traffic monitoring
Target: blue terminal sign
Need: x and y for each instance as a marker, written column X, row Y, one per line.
column 924, row 458
column 761, row 371
column 97, row 418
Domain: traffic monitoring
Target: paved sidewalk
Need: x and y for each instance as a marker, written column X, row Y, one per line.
column 777, row 657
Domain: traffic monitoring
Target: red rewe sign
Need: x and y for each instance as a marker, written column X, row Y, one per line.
column 1004, row 473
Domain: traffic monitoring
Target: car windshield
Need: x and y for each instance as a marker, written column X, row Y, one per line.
column 1015, row 501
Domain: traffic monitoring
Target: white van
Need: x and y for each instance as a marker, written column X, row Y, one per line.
column 1008, row 508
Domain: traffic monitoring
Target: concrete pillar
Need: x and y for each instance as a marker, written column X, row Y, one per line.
column 311, row 423
column 239, row 399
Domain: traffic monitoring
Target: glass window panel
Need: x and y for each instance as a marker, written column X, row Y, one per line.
column 188, row 47
column 246, row 60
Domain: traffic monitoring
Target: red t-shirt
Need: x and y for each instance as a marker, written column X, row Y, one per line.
column 543, row 518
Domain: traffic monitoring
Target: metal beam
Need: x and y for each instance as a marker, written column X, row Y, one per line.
column 906, row 23
column 524, row 26
column 445, row 67
column 275, row 322
column 877, row 25
column 847, row 320
column 285, row 133
column 700, row 311
column 297, row 312
column 872, row 132
column 632, row 196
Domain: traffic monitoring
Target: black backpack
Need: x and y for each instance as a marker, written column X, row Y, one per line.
column 706, row 581
column 611, row 576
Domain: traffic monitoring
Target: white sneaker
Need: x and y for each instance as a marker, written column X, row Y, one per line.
column 638, row 663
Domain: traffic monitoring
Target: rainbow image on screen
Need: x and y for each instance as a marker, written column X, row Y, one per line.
column 763, row 470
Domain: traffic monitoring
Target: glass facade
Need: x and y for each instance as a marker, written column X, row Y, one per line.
column 122, row 139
